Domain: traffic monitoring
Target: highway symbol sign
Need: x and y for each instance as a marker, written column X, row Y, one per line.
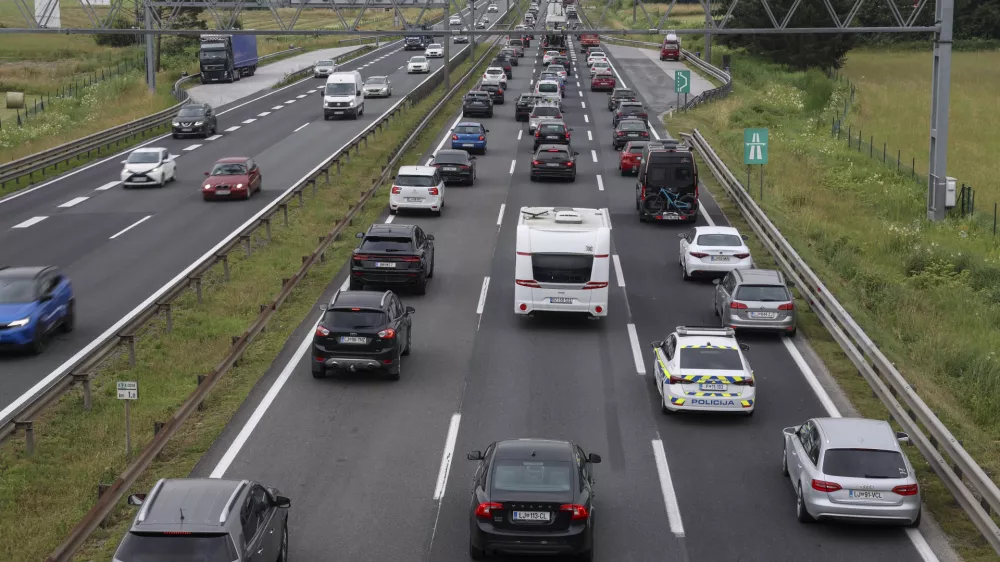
column 754, row 146
column 682, row 81
column 128, row 390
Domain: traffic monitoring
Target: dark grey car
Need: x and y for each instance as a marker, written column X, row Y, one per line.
column 756, row 299
column 195, row 119
column 225, row 520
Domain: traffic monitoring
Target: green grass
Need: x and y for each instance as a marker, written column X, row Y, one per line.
column 619, row 16
column 79, row 449
column 926, row 293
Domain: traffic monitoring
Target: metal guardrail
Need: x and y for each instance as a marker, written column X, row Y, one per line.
column 959, row 472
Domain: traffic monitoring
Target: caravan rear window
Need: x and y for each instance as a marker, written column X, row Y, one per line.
column 670, row 170
column 562, row 268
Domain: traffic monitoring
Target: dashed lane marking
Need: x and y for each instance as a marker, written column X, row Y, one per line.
column 233, row 128
column 108, row 186
column 30, row 222
column 192, row 147
column 73, row 202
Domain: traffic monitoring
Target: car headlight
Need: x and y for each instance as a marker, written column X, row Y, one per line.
column 239, row 186
column 176, row 124
column 19, row 323
column 199, row 123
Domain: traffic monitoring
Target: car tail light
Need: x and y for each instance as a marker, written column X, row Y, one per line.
column 454, row 137
column 674, row 379
column 642, row 193
column 645, row 134
column 736, row 305
column 787, row 306
column 322, row 332
column 741, row 256
column 567, row 136
column 464, row 167
column 387, row 334
column 485, row 509
column 361, row 257
column 698, row 254
column 570, row 163
column 538, row 133
column 595, row 285
column 410, row 259
column 907, row 489
column 536, row 162
column 396, row 190
column 579, row 512
column 481, row 137
column 528, row 283
column 523, row 306
column 745, row 382
column 824, row 486
column 621, row 133
column 598, row 309
column 433, row 190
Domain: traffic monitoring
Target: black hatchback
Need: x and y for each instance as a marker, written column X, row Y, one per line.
column 629, row 130
column 525, row 103
column 495, row 91
column 455, row 166
column 477, row 103
column 366, row 331
column 503, row 61
column 554, row 161
column 194, row 119
column 562, row 61
column 551, row 132
column 618, row 95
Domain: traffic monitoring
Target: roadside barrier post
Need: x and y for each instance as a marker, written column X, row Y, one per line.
column 128, row 391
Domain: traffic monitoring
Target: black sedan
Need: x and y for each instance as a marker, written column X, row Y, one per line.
column 629, row 110
column 495, row 91
column 554, row 161
column 525, row 103
column 477, row 103
column 532, row 496
column 629, row 130
column 455, row 166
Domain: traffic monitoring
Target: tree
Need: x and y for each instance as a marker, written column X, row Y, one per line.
column 186, row 18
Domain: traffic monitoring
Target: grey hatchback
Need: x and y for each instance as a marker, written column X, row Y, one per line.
column 207, row 519
column 755, row 299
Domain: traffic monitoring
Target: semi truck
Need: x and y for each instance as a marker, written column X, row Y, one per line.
column 227, row 58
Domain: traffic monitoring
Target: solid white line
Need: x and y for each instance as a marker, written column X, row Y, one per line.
column 233, row 128
column 500, row 216
column 593, row 154
column 655, row 134
column 73, row 202
column 248, row 121
column 633, row 339
column 346, row 284
column 263, row 114
column 300, row 96
column 277, row 107
column 600, row 183
column 447, row 134
column 590, row 136
column 519, row 133
column 265, row 403
column 667, row 487
column 810, row 376
column 133, row 225
column 108, row 186
column 618, row 271
column 192, row 147
column 300, row 128
column 586, row 119
column 29, row 222
column 446, row 457
column 388, row 220
column 704, row 213
column 921, row 545
column 214, row 137
column 482, row 295
column 512, row 162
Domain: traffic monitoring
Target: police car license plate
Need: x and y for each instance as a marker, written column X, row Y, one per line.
column 561, row 300
column 713, row 386
column 353, row 339
column 388, row 264
column 531, row 516
column 864, row 495
column 763, row 315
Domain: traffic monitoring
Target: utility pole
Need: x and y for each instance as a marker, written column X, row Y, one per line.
column 634, row 4
column 446, row 26
column 707, row 55
column 150, row 44
column 937, row 176
column 472, row 38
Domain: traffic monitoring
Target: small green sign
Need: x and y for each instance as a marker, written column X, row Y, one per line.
column 682, row 81
column 755, row 146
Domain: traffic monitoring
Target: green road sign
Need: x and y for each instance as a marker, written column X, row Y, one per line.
column 682, row 81
column 755, row 146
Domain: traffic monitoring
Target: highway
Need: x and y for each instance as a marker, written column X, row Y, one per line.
column 376, row 470
column 120, row 246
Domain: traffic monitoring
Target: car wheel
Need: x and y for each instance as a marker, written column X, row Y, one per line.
column 318, row 372
column 684, row 271
column 70, row 319
column 784, row 461
column 283, row 553
column 533, row 177
column 422, row 286
column 801, row 512
column 792, row 333
column 437, row 213
column 392, row 211
column 663, row 401
column 175, row 136
column 394, row 373
column 623, row 172
column 37, row 345
column 249, row 193
column 476, row 553
column 916, row 522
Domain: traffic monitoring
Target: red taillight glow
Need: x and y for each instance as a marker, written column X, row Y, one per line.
column 621, row 133
column 396, row 190
column 569, row 164
column 741, row 256
column 595, row 285
column 528, row 283
column 907, row 489
column 481, row 137
column 645, row 134
column 787, row 306
column 536, row 162
column 322, row 332
column 579, row 512
column 523, row 307
column 737, row 305
column 410, row 259
column 674, row 379
column 387, row 334
column 698, row 254
column 485, row 509
column 538, row 133
column 433, row 190
column 824, row 486
column 454, row 137
column 567, row 136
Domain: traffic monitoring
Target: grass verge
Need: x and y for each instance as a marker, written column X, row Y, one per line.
column 926, row 293
column 79, row 449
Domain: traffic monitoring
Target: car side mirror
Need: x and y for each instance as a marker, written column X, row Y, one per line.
column 487, row 130
column 789, row 430
column 323, row 307
column 475, row 456
column 392, row 177
column 570, row 129
column 136, row 499
column 282, row 501
column 902, row 437
column 410, row 310
column 576, row 154
column 716, row 281
column 430, row 237
column 744, row 347
column 656, row 344
column 744, row 236
column 206, row 173
column 46, row 297
column 359, row 235
column 789, row 283
column 594, row 458
column 681, row 235
column 472, row 157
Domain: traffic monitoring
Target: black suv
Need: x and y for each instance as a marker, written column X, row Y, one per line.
column 562, row 61
column 455, row 166
column 238, row 520
column 525, row 103
column 551, row 132
column 503, row 61
column 511, row 56
column 554, row 161
column 395, row 255
column 195, row 119
column 477, row 103
column 362, row 331
column 495, row 91
column 629, row 110
column 618, row 95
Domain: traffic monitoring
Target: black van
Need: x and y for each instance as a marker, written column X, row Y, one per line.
column 667, row 187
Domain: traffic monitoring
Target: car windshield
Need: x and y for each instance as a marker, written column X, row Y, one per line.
column 347, row 319
column 14, row 291
column 719, row 240
column 716, row 358
column 191, row 112
column 548, row 88
column 376, row 80
column 229, row 170
column 468, row 130
column 632, row 126
column 864, row 463
column 325, row 63
column 553, row 156
column 418, row 59
column 451, row 157
column 386, row 244
column 340, row 89
column 415, row 181
column 546, row 112
column 141, row 157
column 763, row 293
column 171, row 548
column 532, row 476
column 551, row 129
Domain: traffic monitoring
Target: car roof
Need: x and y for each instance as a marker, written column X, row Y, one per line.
column 202, row 501
column 358, row 299
column 760, row 277
column 417, row 170
column 469, row 124
column 232, row 160
column 716, row 230
column 23, row 272
column 534, row 449
column 720, row 341
column 450, row 151
column 550, row 147
column 392, row 229
column 149, row 149
column 850, row 433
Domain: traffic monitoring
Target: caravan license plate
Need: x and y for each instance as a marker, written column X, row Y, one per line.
column 561, row 300
column 388, row 264
column 542, row 516
column 713, row 386
column 353, row 339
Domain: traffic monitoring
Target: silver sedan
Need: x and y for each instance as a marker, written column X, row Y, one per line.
column 850, row 469
column 377, row 87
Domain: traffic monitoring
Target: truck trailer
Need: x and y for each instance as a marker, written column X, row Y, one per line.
column 227, row 58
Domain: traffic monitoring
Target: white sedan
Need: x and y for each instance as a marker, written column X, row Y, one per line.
column 713, row 251
column 596, row 56
column 703, row 369
column 418, row 64
column 455, row 20
column 492, row 8
column 434, row 50
column 149, row 166
column 547, row 57
column 600, row 64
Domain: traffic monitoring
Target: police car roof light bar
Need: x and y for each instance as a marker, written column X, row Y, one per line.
column 705, row 331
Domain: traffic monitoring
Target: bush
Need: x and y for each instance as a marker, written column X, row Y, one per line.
column 117, row 40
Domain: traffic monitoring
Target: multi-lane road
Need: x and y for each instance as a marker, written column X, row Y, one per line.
column 376, row 470
column 120, row 246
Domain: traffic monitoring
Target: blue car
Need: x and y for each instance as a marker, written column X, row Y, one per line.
column 469, row 137
column 34, row 301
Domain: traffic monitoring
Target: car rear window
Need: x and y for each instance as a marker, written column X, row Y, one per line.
column 170, row 548
column 451, row 158
column 13, row 291
column 548, row 88
column 636, row 149
column 864, row 463
column 630, row 109
column 546, row 112
column 468, row 130
column 632, row 126
column 719, row 240
column 763, row 293
column 532, row 476
column 665, row 174
column 348, row 319
column 386, row 244
column 711, row 358
column 552, row 156
column 552, row 129
column 515, row 43
column 624, row 94
column 415, row 181
column 562, row 268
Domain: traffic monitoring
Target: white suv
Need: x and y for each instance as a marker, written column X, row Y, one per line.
column 417, row 188
column 495, row 75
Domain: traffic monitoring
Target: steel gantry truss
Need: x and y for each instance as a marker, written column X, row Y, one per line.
column 718, row 16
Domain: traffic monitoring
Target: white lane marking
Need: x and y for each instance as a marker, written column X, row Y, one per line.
column 388, row 220
column 530, row 82
column 73, row 202
column 921, row 545
column 446, row 457
column 519, row 133
column 810, row 377
column 704, row 213
column 590, row 136
column 578, row 84
column 263, row 114
column 655, row 133
column 233, row 128
column 512, row 162
column 584, row 104
column 600, row 183
column 248, row 121
column 500, row 216
column 300, row 128
column 618, row 271
column 300, row 96
column 258, row 413
column 633, row 339
column 581, row 95
column 482, row 295
column 131, row 226
column 447, row 134
column 586, row 119
column 346, row 284
column 289, row 101
column 214, row 137
column 667, row 487
column 593, row 154
column 192, row 147
column 108, row 186
column 277, row 107
column 311, row 92
column 30, row 222
column 400, row 68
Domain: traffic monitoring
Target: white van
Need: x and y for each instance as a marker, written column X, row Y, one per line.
column 343, row 95
column 563, row 261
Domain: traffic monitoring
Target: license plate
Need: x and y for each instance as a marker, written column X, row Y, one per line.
column 186, row 129
column 763, row 315
column 551, row 137
column 222, row 192
column 140, row 180
column 864, row 495
column 633, row 134
column 720, row 258
column 388, row 264
column 671, row 217
column 414, row 199
column 450, row 169
column 338, row 112
column 468, row 145
column 713, row 386
column 553, row 165
column 560, row 300
column 353, row 339
column 531, row 516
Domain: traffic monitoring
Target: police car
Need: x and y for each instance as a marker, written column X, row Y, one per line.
column 703, row 369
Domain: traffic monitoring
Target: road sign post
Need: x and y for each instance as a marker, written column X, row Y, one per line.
column 682, row 85
column 128, row 391
column 755, row 144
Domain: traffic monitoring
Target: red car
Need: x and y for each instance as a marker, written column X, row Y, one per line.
column 232, row 178
column 631, row 156
column 603, row 82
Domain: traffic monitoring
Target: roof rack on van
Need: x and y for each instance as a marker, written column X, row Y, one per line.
column 230, row 503
column 534, row 212
column 148, row 503
column 705, row 331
